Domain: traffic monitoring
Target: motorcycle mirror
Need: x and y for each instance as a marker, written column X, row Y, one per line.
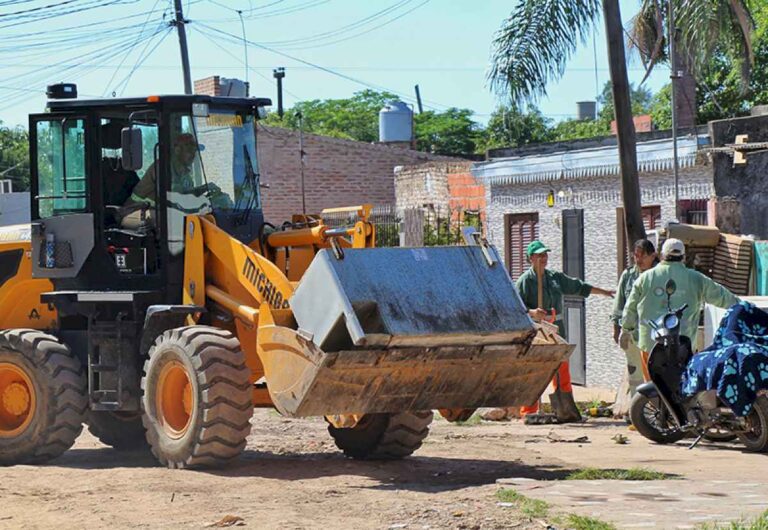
column 670, row 287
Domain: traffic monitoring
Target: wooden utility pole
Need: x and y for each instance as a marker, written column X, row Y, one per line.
column 179, row 22
column 625, row 127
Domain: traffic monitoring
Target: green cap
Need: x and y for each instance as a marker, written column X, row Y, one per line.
column 536, row 247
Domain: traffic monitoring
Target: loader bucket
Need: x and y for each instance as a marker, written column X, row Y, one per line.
column 395, row 329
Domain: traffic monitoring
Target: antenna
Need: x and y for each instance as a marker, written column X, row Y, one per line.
column 245, row 44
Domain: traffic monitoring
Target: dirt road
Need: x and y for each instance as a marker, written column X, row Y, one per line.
column 292, row 476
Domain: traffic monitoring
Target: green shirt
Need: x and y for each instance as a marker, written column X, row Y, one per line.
column 556, row 285
column 626, row 282
column 648, row 299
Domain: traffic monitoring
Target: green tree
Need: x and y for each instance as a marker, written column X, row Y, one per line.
column 509, row 126
column 14, row 156
column 640, row 97
column 355, row 118
column 575, row 129
column 452, row 132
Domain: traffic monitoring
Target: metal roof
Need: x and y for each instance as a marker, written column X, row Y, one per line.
column 654, row 155
column 66, row 104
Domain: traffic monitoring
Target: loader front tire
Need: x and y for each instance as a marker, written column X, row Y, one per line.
column 197, row 401
column 383, row 436
column 123, row 431
column 42, row 397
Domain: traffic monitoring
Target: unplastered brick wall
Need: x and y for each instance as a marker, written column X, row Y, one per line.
column 337, row 172
column 445, row 185
column 599, row 198
column 210, row 86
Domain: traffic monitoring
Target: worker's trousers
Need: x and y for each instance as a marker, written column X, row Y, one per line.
column 561, row 381
column 637, row 366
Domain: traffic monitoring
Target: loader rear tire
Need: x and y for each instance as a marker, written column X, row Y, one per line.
column 42, row 397
column 383, row 436
column 123, row 431
column 197, row 400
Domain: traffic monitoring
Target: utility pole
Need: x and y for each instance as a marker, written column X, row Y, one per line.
column 674, row 75
column 625, row 127
column 279, row 74
column 418, row 99
column 179, row 22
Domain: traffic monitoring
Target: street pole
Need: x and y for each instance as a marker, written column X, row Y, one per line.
column 418, row 99
column 673, row 78
column 179, row 22
column 279, row 74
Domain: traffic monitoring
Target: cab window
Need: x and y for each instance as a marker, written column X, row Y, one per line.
column 60, row 147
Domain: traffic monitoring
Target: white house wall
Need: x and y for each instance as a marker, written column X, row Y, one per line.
column 599, row 197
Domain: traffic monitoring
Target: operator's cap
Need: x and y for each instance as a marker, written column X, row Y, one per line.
column 535, row 247
column 673, row 247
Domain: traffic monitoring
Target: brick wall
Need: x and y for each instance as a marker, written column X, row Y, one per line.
column 337, row 172
column 446, row 185
column 599, row 197
column 210, row 86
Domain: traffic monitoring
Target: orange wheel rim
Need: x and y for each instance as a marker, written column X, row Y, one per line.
column 17, row 400
column 175, row 401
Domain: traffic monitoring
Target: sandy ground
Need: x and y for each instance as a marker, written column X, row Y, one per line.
column 292, row 476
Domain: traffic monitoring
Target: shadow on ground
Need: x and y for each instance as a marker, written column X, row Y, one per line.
column 418, row 473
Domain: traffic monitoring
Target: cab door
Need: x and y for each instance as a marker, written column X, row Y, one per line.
column 62, row 219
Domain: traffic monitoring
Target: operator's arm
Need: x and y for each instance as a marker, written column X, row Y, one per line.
column 574, row 286
column 715, row 294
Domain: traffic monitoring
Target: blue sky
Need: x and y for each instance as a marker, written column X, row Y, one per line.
column 443, row 45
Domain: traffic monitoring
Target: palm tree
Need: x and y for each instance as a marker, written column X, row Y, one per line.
column 533, row 47
column 704, row 28
column 536, row 41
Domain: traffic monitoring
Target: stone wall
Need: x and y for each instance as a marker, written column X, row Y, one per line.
column 599, row 197
column 743, row 188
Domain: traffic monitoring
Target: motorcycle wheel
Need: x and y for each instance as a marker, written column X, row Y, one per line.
column 755, row 440
column 646, row 415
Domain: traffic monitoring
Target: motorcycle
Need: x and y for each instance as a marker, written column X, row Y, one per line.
column 663, row 414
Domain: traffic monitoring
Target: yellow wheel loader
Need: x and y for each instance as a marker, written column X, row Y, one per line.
column 150, row 300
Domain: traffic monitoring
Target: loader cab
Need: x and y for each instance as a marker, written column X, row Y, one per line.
column 113, row 180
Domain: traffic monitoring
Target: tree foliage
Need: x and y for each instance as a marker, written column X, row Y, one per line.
column 14, row 156
column 510, row 126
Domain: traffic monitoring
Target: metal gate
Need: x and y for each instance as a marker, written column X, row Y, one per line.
column 574, row 311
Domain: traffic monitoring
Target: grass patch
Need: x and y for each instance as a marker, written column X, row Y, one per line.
column 636, row 473
column 580, row 522
column 532, row 508
column 758, row 523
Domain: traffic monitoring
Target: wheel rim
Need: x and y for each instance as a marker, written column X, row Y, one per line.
column 17, row 400
column 175, row 400
column 652, row 415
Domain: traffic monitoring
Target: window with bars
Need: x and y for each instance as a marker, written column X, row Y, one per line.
column 693, row 211
column 519, row 230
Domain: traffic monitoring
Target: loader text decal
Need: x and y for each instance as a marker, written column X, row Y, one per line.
column 266, row 289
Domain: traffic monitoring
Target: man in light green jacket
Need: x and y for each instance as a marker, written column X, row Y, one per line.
column 648, row 299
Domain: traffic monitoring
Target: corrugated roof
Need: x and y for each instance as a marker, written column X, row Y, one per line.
column 654, row 155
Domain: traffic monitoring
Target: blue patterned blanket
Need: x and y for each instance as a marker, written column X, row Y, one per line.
column 736, row 364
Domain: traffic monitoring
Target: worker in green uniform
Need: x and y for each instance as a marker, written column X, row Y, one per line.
column 644, row 255
column 550, row 308
column 648, row 299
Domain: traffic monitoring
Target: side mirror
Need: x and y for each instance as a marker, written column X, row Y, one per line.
column 670, row 287
column 132, row 149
